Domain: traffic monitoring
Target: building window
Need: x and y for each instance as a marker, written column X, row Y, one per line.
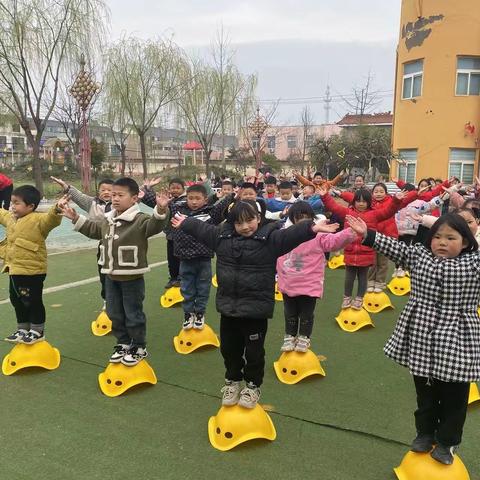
column 271, row 142
column 3, row 141
column 412, row 79
column 309, row 140
column 462, row 163
column 291, row 141
column 407, row 165
column 468, row 76
column 18, row 144
column 255, row 143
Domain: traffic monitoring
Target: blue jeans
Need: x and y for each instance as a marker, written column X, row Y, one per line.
column 125, row 310
column 196, row 278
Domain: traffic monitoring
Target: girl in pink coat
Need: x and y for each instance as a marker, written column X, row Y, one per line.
column 300, row 278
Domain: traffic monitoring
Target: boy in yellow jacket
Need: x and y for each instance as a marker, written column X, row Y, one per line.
column 25, row 260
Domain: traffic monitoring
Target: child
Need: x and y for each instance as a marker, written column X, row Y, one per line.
column 300, row 278
column 359, row 258
column 25, row 260
column 96, row 207
column 176, row 191
column 124, row 233
column 247, row 249
column 438, row 333
column 195, row 258
column 270, row 187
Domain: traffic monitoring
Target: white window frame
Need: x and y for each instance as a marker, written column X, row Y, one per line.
column 469, row 72
column 412, row 76
column 462, row 163
column 292, row 138
column 407, row 163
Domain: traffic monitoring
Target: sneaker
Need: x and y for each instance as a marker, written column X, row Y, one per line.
column 303, row 344
column 199, row 321
column 119, row 352
column 133, row 356
column 395, row 273
column 249, row 396
column 104, row 305
column 444, row 454
column 176, row 283
column 288, row 343
column 357, row 304
column 370, row 289
column 188, row 321
column 400, row 272
column 423, row 443
column 231, row 392
column 15, row 337
column 370, row 286
column 170, row 284
column 347, row 301
column 378, row 288
column 31, row 337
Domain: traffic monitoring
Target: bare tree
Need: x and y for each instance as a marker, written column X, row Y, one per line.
column 364, row 99
column 146, row 76
column 306, row 119
column 39, row 39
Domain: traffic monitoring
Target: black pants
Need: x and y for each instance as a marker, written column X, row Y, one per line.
column 173, row 261
column 299, row 314
column 442, row 408
column 100, row 274
column 242, row 346
column 26, row 298
column 5, row 197
column 351, row 273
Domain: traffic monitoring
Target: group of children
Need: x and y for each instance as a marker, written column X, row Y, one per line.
column 256, row 237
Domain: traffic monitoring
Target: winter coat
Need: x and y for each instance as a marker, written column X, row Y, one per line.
column 438, row 332
column 5, row 181
column 325, row 183
column 95, row 207
column 428, row 195
column 246, row 265
column 356, row 254
column 25, row 251
column 406, row 225
column 302, row 271
column 124, row 239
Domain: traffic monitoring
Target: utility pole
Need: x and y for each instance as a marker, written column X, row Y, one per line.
column 327, row 106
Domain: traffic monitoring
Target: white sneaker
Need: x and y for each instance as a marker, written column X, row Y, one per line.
column 357, row 304
column 17, row 336
column 378, row 288
column 370, row 289
column 400, row 272
column 134, row 355
column 347, row 301
column 188, row 321
column 199, row 321
column 231, row 392
column 119, row 352
column 32, row 337
column 395, row 273
column 288, row 343
column 303, row 344
column 249, row 396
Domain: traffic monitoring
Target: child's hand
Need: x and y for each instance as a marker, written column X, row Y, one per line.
column 322, row 190
column 415, row 216
column 63, row 184
column 151, row 183
column 67, row 211
column 162, row 202
column 177, row 220
column 401, row 195
column 394, row 179
column 357, row 225
column 63, row 202
column 324, row 227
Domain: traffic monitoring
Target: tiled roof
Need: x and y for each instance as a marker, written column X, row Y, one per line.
column 384, row 118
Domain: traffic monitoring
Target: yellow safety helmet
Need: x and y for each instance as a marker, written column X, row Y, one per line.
column 235, row 425
column 351, row 320
column 190, row 340
column 376, row 302
column 118, row 378
column 40, row 354
column 336, row 261
column 399, row 285
column 278, row 294
column 474, row 394
column 292, row 367
column 421, row 466
column 171, row 297
column 214, row 281
column 102, row 325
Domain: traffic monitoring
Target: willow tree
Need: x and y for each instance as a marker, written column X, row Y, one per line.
column 39, row 41
column 146, row 77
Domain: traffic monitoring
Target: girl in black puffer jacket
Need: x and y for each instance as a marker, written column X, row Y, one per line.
column 247, row 249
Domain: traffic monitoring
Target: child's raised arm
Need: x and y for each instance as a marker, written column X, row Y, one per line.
column 204, row 232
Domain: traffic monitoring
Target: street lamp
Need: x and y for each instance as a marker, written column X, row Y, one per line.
column 258, row 127
column 84, row 90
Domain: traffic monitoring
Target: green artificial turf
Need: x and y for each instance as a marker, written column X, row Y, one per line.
column 355, row 423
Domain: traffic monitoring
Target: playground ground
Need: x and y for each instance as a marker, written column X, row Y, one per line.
column 355, row 423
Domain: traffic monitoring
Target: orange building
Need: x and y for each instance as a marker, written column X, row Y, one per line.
column 437, row 92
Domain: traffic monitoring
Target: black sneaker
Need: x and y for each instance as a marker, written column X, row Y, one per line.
column 444, row 454
column 423, row 443
column 119, row 352
column 176, row 283
column 134, row 355
column 189, row 318
column 32, row 337
column 15, row 337
column 170, row 284
column 199, row 321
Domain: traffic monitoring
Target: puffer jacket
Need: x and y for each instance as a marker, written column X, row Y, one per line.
column 25, row 252
column 356, row 254
column 246, row 265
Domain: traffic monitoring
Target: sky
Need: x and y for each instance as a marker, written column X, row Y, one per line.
column 296, row 47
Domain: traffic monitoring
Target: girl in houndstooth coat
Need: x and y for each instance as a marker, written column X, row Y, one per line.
column 438, row 333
